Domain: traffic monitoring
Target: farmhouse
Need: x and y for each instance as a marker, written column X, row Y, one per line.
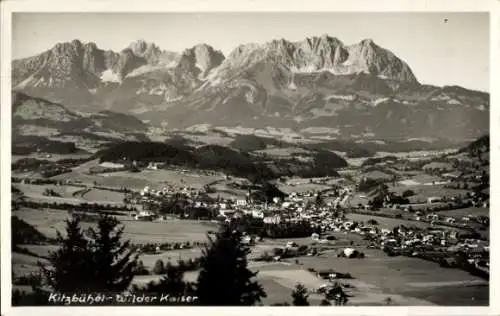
column 111, row 165
column 241, row 202
column 144, row 216
column 434, row 199
column 276, row 219
column 155, row 165
column 227, row 212
column 452, row 175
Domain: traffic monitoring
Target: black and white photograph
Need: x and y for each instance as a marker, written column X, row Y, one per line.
column 333, row 159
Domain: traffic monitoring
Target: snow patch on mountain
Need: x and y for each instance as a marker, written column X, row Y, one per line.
column 146, row 69
column 379, row 100
column 348, row 97
column 250, row 97
column 27, row 82
column 199, row 128
column 321, row 112
column 110, row 76
column 36, row 130
column 320, row 130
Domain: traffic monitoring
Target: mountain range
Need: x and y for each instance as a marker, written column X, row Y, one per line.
column 315, row 86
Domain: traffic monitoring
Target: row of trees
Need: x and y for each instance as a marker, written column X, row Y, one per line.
column 256, row 226
column 111, row 209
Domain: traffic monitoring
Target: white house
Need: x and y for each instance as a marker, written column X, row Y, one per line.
column 286, row 204
column 385, row 231
column 434, row 199
column 348, row 252
column 315, row 237
column 257, row 213
column 272, row 219
column 246, row 239
column 226, row 212
column 241, row 202
column 143, row 215
column 112, row 165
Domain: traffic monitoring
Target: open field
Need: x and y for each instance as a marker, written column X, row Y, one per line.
column 48, row 221
column 376, row 174
column 422, row 191
column 302, row 187
column 385, row 222
column 103, row 196
column 225, row 191
column 70, row 194
column 41, row 250
column 474, row 211
column 192, row 179
column 137, row 181
column 45, row 220
column 66, row 191
column 423, row 178
column 23, row 264
column 53, row 157
column 398, row 275
column 170, row 230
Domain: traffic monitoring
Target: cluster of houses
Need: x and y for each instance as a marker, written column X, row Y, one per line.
column 296, row 207
column 148, row 194
column 328, row 216
column 413, row 240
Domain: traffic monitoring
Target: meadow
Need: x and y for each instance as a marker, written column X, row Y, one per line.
column 137, row 181
column 424, row 191
column 49, row 221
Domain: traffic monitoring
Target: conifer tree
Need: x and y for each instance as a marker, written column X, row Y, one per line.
column 113, row 261
column 69, row 269
column 225, row 279
column 299, row 296
column 325, row 302
column 95, row 263
column 159, row 267
column 172, row 284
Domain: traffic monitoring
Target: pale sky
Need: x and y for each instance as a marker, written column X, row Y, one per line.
column 439, row 53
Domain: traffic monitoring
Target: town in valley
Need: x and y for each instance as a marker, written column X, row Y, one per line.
column 347, row 181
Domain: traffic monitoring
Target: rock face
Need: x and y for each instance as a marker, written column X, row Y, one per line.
column 322, row 54
column 204, row 57
column 319, row 83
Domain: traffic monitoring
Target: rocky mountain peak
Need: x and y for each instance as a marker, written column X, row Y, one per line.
column 368, row 42
column 142, row 48
column 204, row 57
